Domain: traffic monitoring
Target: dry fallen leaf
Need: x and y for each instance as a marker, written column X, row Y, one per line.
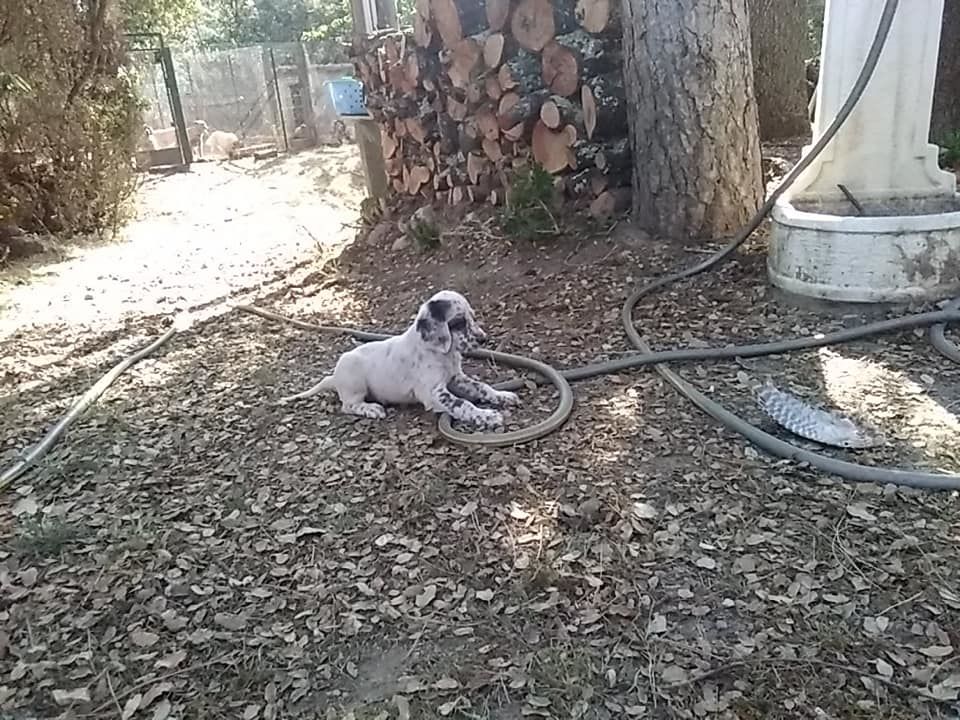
column 427, row 596
column 657, row 625
column 707, row 563
column 131, row 706
column 25, row 506
column 945, row 692
column 860, row 511
column 884, row 668
column 537, row 701
column 143, row 638
column 171, row 661
column 153, row 693
column 230, row 622
column 645, row 511
column 673, row 674
column 937, row 651
column 69, row 697
column 485, row 595
column 162, row 710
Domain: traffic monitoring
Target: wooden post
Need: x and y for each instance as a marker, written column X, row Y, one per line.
column 371, row 156
column 279, row 98
column 367, row 131
column 306, row 91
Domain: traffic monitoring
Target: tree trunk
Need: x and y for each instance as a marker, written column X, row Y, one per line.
column 778, row 37
column 692, row 116
column 946, row 101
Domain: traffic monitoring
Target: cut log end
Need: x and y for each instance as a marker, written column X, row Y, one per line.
column 456, row 19
column 493, row 150
column 533, row 25
column 491, row 86
column 552, row 150
column 561, row 71
column 464, row 61
column 493, row 50
column 498, row 11
column 598, row 16
column 488, row 124
column 416, row 178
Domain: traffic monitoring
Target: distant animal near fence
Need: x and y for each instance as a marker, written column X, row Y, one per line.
column 271, row 95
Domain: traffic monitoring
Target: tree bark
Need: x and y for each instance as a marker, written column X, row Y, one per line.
column 778, row 38
column 692, row 116
column 946, row 100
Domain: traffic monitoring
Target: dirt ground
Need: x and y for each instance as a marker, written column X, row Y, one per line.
column 193, row 550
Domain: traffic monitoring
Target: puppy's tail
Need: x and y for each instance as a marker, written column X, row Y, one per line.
column 324, row 385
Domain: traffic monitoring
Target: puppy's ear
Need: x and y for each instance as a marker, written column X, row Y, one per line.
column 434, row 333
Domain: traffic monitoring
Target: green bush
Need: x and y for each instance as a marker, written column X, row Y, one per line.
column 950, row 150
column 69, row 120
column 530, row 205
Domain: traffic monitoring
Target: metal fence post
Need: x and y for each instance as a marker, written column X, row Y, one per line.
column 276, row 89
column 170, row 77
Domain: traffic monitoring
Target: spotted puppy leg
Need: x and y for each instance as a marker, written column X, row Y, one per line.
column 476, row 391
column 464, row 410
column 353, row 399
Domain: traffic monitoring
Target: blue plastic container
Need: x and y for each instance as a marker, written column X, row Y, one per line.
column 347, row 97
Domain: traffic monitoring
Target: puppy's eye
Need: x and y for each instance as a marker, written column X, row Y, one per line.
column 457, row 324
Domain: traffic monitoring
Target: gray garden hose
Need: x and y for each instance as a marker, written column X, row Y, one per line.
column 763, row 440
column 79, row 407
column 939, row 340
column 852, row 471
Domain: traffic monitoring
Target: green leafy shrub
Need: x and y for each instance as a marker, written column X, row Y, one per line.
column 950, row 150
column 69, row 120
column 528, row 214
column 425, row 235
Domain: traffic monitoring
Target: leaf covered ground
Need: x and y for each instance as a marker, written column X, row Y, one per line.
column 192, row 550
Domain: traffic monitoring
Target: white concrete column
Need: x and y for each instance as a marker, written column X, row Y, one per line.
column 882, row 150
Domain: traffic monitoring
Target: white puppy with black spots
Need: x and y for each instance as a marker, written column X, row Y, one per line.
column 423, row 365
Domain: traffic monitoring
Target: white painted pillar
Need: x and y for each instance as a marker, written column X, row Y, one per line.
column 882, row 150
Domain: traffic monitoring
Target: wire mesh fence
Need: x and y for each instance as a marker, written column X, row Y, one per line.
column 232, row 91
column 272, row 95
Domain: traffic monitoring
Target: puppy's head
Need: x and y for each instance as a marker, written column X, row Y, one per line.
column 446, row 323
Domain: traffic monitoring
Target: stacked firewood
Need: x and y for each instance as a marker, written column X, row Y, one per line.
column 477, row 89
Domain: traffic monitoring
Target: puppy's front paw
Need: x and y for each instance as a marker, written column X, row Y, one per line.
column 488, row 420
column 507, row 399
